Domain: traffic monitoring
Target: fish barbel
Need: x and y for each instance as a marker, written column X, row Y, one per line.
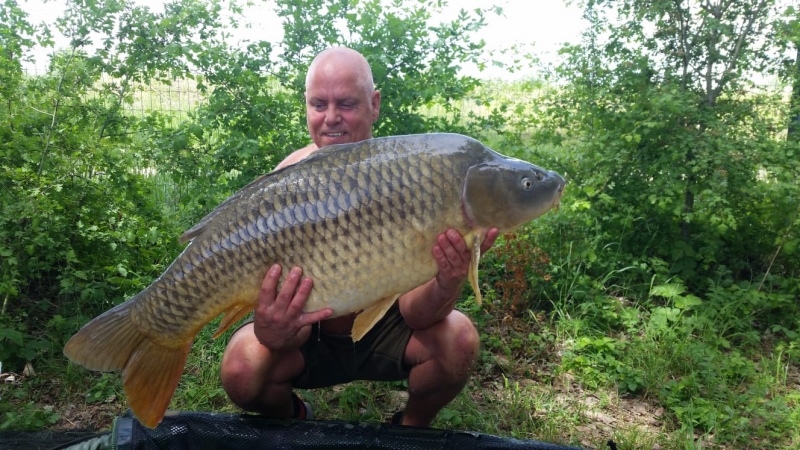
column 360, row 219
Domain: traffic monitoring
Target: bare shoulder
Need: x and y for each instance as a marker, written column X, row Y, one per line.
column 297, row 156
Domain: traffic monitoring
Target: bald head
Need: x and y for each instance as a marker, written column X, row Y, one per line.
column 339, row 61
column 341, row 100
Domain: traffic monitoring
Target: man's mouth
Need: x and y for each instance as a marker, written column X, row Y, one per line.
column 334, row 135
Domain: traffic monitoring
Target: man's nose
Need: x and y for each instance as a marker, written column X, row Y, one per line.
column 332, row 115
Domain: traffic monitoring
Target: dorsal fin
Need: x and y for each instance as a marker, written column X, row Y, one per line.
column 195, row 231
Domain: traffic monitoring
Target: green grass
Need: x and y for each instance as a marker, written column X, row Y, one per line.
column 552, row 377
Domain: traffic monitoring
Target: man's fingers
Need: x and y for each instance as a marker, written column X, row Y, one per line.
column 316, row 316
column 450, row 250
column 441, row 258
column 295, row 308
column 288, row 289
column 456, row 241
column 269, row 284
column 488, row 241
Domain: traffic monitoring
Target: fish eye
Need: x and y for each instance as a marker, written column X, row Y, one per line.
column 527, row 184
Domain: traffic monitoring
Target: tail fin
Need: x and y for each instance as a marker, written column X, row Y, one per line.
column 150, row 372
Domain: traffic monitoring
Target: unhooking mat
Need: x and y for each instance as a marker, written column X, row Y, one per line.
column 195, row 430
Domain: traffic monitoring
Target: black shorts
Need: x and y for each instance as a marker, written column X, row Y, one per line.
column 332, row 359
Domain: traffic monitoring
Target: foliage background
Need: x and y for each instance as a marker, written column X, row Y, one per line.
column 670, row 275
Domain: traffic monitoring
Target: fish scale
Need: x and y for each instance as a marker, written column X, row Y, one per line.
column 360, row 219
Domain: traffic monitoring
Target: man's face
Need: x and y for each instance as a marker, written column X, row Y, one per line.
column 339, row 109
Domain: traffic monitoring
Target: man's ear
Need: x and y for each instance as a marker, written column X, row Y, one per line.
column 376, row 104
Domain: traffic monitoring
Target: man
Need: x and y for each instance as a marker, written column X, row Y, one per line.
column 422, row 338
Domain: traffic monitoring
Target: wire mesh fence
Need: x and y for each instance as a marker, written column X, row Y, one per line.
column 177, row 98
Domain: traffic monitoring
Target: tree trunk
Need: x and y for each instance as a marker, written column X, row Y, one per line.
column 688, row 207
column 793, row 134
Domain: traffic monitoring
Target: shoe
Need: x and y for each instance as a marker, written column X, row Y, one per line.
column 302, row 409
column 309, row 411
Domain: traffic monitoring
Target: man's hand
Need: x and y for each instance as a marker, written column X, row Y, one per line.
column 453, row 257
column 280, row 323
column 434, row 300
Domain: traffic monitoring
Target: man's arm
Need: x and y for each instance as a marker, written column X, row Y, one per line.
column 434, row 300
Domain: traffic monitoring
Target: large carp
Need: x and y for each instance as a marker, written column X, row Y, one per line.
column 360, row 219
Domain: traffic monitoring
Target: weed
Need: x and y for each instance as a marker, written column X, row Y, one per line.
column 515, row 265
column 29, row 417
column 105, row 387
column 633, row 437
column 200, row 388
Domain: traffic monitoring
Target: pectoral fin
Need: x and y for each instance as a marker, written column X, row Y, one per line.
column 232, row 315
column 473, row 266
column 370, row 316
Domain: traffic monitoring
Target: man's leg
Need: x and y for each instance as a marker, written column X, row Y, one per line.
column 256, row 379
column 442, row 357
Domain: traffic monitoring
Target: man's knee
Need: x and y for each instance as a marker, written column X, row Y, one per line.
column 248, row 369
column 233, row 370
column 237, row 374
column 466, row 330
column 453, row 342
column 465, row 339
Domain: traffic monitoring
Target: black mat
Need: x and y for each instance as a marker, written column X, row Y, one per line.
column 194, row 430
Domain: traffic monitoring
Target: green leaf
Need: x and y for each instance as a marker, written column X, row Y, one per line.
column 687, row 301
column 669, row 291
column 12, row 335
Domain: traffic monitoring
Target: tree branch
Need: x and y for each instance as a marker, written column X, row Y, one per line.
column 48, row 139
column 783, row 239
column 684, row 47
column 732, row 59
